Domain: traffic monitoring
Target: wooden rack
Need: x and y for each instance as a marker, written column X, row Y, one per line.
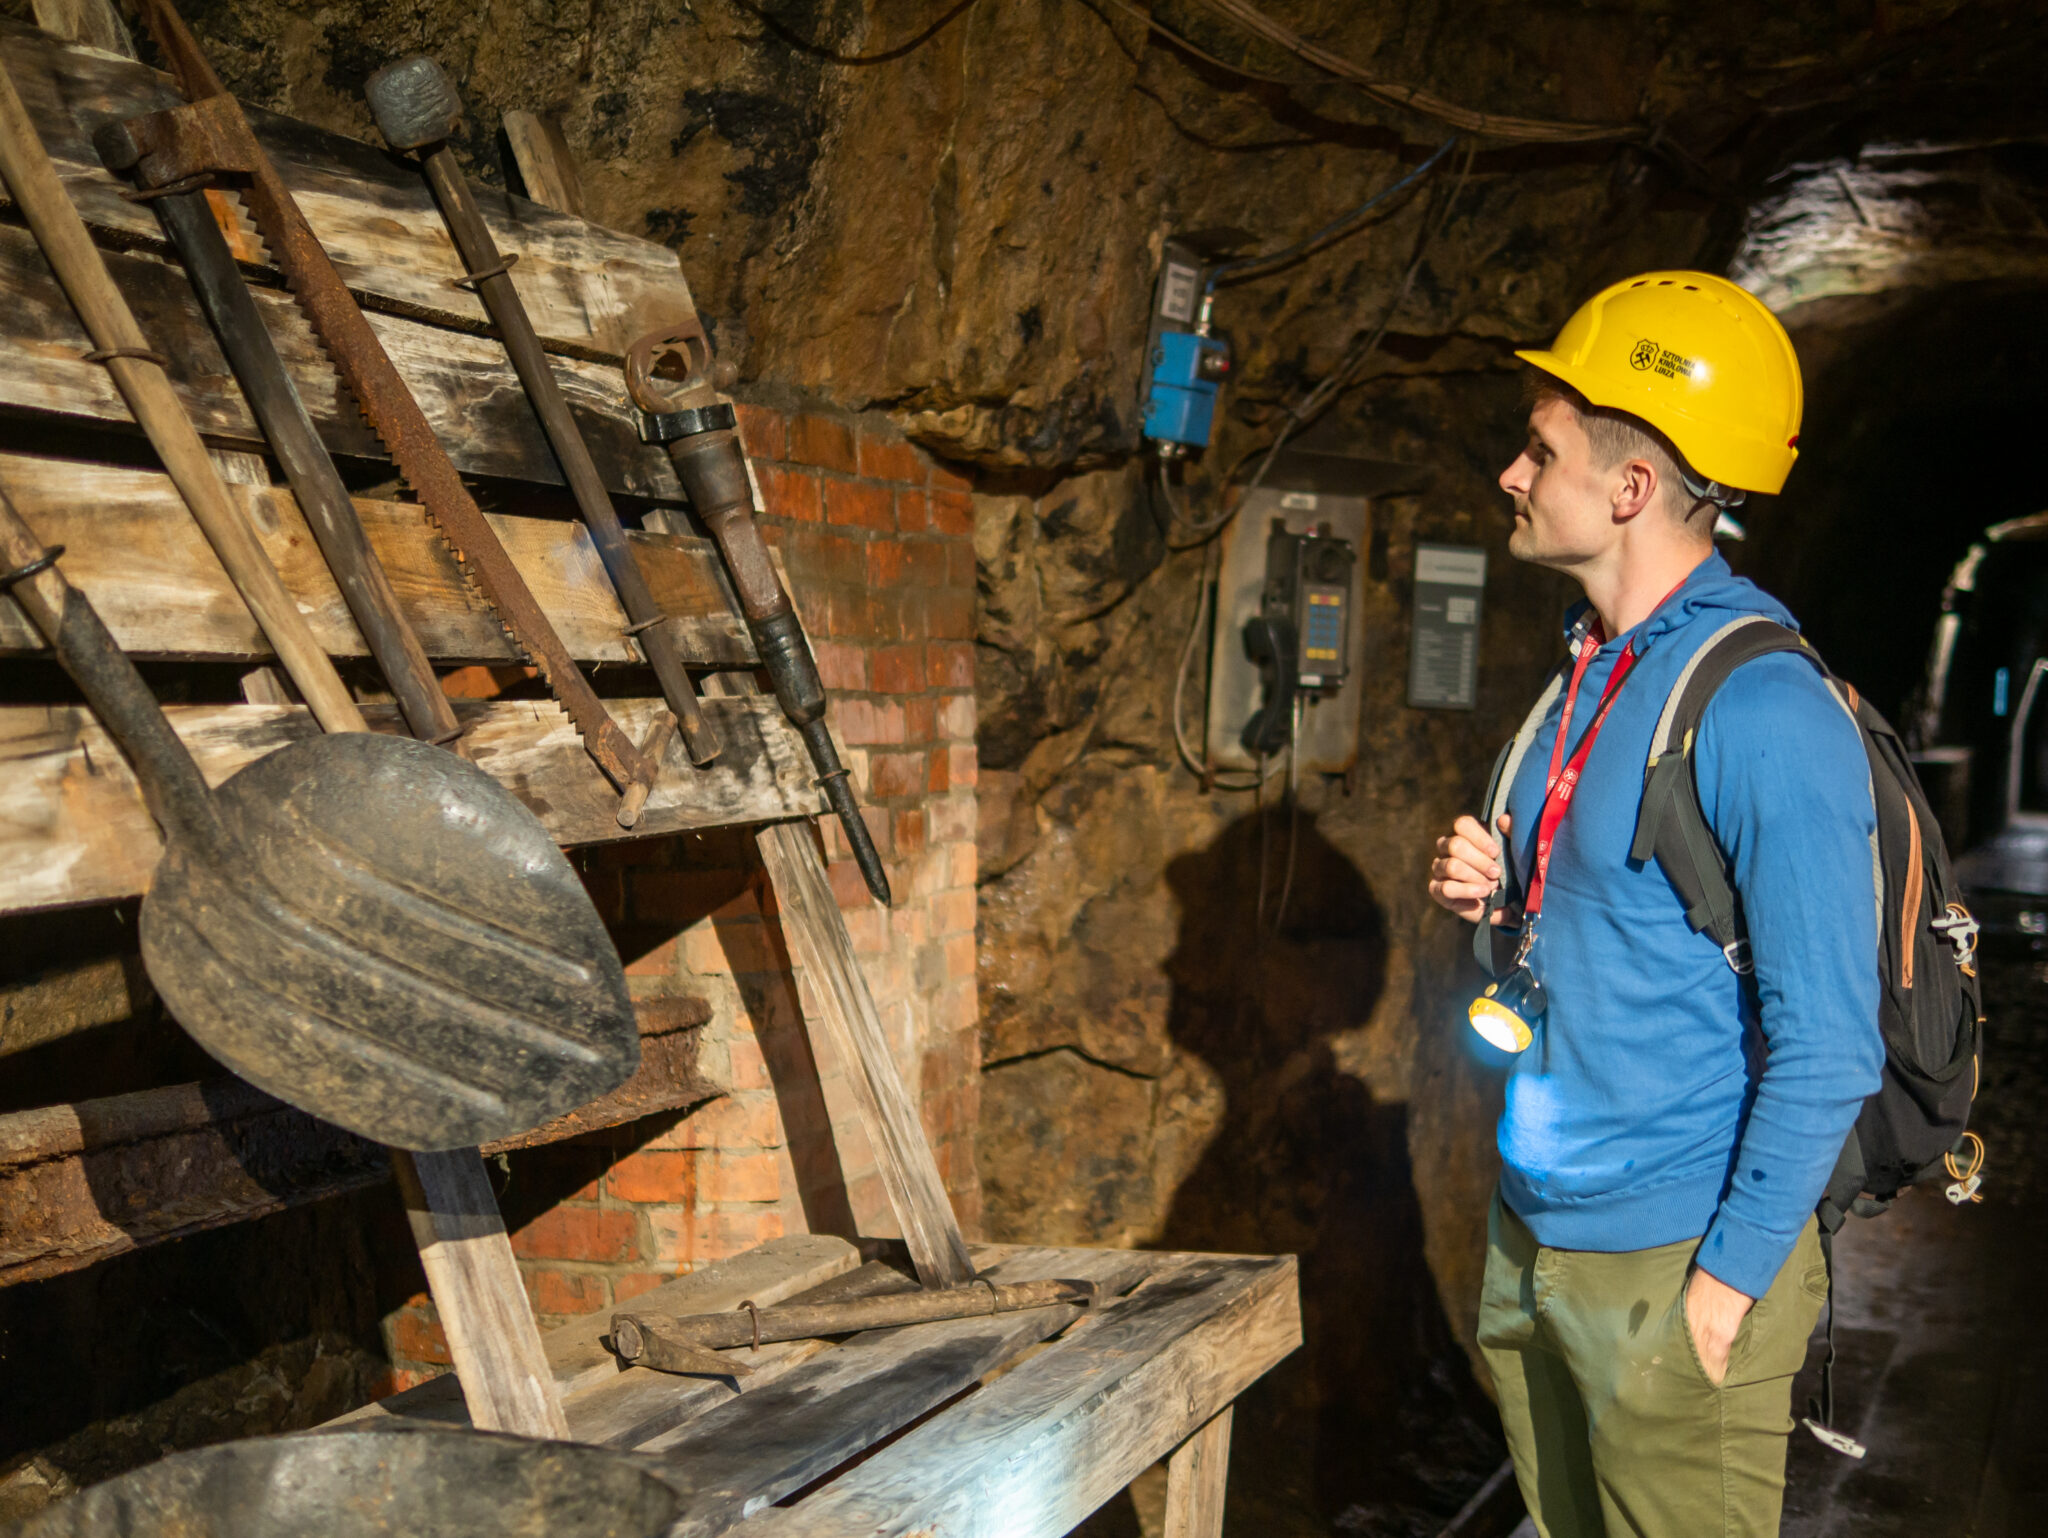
column 1039, row 1442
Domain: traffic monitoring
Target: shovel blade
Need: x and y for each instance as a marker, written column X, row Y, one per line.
column 385, row 937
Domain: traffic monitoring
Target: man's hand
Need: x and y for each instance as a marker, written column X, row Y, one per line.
column 1467, row 868
column 1714, row 1311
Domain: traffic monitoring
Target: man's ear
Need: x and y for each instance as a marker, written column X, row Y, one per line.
column 1635, row 488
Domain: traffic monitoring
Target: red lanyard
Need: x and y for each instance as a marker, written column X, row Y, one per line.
column 1564, row 777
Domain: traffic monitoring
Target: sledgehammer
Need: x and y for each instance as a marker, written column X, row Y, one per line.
column 417, row 109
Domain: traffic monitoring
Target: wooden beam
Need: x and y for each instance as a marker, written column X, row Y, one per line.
column 602, row 1398
column 465, row 383
column 544, row 162
column 131, row 546
column 477, row 1292
column 81, row 1183
column 1033, row 1453
column 818, row 942
column 74, row 829
column 585, row 286
column 1196, row 1475
column 90, row 23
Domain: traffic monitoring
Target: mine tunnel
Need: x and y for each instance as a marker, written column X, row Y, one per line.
column 757, row 795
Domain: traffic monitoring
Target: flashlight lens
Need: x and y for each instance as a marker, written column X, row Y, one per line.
column 1501, row 1026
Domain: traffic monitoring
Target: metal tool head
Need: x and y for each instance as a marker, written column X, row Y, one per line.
column 414, row 103
column 371, row 1484
column 382, row 935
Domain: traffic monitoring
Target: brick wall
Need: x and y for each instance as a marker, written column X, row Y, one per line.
column 877, row 543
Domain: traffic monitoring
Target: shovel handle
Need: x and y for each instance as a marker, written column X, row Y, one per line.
column 171, row 781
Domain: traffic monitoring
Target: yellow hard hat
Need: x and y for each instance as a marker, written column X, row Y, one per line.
column 1698, row 358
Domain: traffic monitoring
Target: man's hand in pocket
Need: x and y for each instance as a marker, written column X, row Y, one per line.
column 1714, row 1311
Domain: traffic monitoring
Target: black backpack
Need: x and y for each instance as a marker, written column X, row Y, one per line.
column 1930, row 1007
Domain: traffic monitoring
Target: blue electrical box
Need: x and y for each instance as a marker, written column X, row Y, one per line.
column 1180, row 399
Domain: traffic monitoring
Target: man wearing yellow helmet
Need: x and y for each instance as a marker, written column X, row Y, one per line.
column 1673, row 1112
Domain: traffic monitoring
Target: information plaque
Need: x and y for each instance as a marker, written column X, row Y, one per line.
column 1443, row 641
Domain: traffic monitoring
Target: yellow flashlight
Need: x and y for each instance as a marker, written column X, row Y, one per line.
column 1507, row 1012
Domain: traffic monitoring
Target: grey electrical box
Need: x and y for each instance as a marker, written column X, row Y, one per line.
column 1443, row 640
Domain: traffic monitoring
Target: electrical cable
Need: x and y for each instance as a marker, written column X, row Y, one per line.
column 1287, row 253
column 1293, row 814
column 1488, row 124
column 1205, row 592
column 1332, row 385
column 895, row 51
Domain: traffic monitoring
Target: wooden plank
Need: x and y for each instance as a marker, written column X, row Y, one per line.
column 92, row 23
column 740, row 1458
column 846, row 1017
column 615, row 1407
column 477, row 1292
column 585, row 286
column 1032, row 1454
column 465, row 384
column 768, row 1273
column 133, row 549
column 544, row 162
column 74, row 829
column 81, row 1183
column 1196, row 1475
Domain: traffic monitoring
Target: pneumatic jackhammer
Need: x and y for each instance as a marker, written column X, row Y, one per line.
column 702, row 437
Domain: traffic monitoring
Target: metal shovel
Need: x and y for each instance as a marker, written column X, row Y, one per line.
column 368, row 927
column 371, row 1484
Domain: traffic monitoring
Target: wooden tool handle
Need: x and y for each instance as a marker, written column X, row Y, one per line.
column 642, row 1338
column 111, row 324
column 654, row 748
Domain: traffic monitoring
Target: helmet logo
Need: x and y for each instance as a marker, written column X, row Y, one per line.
column 1644, row 355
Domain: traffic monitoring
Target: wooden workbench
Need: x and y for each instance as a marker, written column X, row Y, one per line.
column 1018, row 1425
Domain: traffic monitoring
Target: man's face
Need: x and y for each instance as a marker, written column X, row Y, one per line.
column 1564, row 502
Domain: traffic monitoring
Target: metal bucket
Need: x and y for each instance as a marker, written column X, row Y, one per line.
column 384, row 1483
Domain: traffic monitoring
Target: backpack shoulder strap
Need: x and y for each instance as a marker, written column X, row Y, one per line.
column 1671, row 826
column 1505, row 767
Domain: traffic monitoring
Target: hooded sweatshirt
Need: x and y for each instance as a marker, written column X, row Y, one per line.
column 1664, row 1096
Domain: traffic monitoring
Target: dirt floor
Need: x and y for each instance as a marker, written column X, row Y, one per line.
column 1941, row 1370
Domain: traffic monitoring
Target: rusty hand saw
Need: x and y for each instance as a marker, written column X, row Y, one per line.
column 182, row 148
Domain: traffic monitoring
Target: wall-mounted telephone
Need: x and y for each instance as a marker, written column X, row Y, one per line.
column 1300, row 638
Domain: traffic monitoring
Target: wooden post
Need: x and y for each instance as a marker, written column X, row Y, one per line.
column 1195, row 1477
column 94, row 23
column 506, row 1380
column 848, row 1021
column 544, row 162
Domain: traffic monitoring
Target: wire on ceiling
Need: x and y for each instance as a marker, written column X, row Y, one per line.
column 1487, row 124
column 1183, row 533
column 1308, row 243
column 1335, row 68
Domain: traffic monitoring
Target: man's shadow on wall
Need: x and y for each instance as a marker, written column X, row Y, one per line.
column 1371, row 1411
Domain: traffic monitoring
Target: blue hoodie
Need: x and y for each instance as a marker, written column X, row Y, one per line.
column 1664, row 1097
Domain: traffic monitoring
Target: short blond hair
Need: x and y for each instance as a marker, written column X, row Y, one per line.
column 1616, row 435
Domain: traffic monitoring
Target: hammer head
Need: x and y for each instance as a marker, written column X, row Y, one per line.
column 414, row 103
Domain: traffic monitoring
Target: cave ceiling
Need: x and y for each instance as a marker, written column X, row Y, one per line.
column 952, row 211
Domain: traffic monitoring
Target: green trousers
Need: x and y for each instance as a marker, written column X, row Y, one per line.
column 1615, row 1428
